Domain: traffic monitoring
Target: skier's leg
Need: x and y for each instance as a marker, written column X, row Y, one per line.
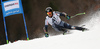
column 56, row 28
column 66, row 25
column 59, row 28
column 73, row 27
column 81, row 28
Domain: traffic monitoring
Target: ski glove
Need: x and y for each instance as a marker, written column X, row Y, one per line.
column 68, row 17
column 46, row 34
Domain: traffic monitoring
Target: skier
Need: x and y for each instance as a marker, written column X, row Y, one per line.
column 54, row 20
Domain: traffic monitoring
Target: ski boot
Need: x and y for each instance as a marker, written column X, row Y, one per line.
column 84, row 29
column 65, row 32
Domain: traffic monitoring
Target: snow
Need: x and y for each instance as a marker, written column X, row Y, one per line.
column 77, row 40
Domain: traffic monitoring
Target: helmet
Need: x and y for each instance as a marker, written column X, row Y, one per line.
column 49, row 9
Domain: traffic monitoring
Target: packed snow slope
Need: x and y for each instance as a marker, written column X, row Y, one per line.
column 77, row 40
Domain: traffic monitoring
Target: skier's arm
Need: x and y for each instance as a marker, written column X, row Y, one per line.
column 65, row 15
column 46, row 28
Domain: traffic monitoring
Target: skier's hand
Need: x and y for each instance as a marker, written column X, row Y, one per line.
column 46, row 35
column 68, row 17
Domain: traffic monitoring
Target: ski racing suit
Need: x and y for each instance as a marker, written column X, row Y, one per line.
column 57, row 23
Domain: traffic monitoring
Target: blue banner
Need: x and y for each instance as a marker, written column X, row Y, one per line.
column 11, row 7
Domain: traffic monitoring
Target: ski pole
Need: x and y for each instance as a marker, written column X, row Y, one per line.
column 78, row 14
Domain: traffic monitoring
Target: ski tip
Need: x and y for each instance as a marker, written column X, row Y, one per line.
column 85, row 29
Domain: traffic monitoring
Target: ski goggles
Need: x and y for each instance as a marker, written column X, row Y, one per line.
column 49, row 13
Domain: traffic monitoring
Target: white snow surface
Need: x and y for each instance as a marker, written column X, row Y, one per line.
column 77, row 40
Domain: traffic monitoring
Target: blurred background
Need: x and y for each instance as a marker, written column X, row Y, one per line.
column 35, row 16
